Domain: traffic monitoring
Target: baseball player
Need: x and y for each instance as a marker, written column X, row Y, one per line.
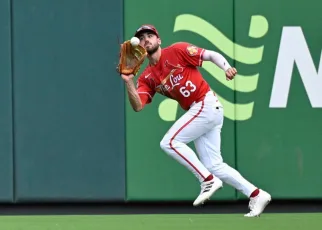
column 173, row 72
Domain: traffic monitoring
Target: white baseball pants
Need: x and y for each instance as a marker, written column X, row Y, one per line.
column 202, row 124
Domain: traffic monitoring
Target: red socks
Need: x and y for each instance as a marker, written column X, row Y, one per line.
column 255, row 193
column 210, row 177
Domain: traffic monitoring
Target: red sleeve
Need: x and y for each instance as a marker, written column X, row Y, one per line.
column 145, row 91
column 189, row 54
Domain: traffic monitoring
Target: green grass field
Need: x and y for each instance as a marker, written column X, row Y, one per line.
column 164, row 222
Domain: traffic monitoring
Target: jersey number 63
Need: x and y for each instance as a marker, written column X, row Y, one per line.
column 186, row 92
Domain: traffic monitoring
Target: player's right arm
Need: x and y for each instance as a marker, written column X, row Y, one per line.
column 133, row 95
column 138, row 96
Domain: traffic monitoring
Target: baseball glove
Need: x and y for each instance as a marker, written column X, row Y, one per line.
column 131, row 58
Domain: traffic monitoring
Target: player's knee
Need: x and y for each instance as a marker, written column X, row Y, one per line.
column 215, row 166
column 165, row 144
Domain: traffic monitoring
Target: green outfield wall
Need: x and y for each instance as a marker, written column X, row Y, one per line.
column 68, row 132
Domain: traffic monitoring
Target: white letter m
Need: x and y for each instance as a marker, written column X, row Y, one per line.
column 293, row 49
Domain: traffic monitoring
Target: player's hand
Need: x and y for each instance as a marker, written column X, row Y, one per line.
column 127, row 78
column 230, row 74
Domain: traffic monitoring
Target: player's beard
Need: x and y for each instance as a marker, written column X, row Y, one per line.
column 153, row 49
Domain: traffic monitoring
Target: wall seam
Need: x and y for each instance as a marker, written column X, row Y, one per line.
column 235, row 94
column 12, row 100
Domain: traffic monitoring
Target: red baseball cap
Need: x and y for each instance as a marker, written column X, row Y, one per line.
column 145, row 28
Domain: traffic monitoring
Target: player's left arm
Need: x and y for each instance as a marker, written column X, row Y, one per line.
column 194, row 56
column 220, row 61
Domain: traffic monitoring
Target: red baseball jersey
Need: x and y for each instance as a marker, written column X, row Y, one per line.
column 175, row 76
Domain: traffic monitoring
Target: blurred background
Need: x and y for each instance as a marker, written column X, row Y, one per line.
column 68, row 133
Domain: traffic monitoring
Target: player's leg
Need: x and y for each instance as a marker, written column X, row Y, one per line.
column 187, row 128
column 208, row 147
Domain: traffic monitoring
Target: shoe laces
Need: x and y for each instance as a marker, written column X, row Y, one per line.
column 252, row 202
